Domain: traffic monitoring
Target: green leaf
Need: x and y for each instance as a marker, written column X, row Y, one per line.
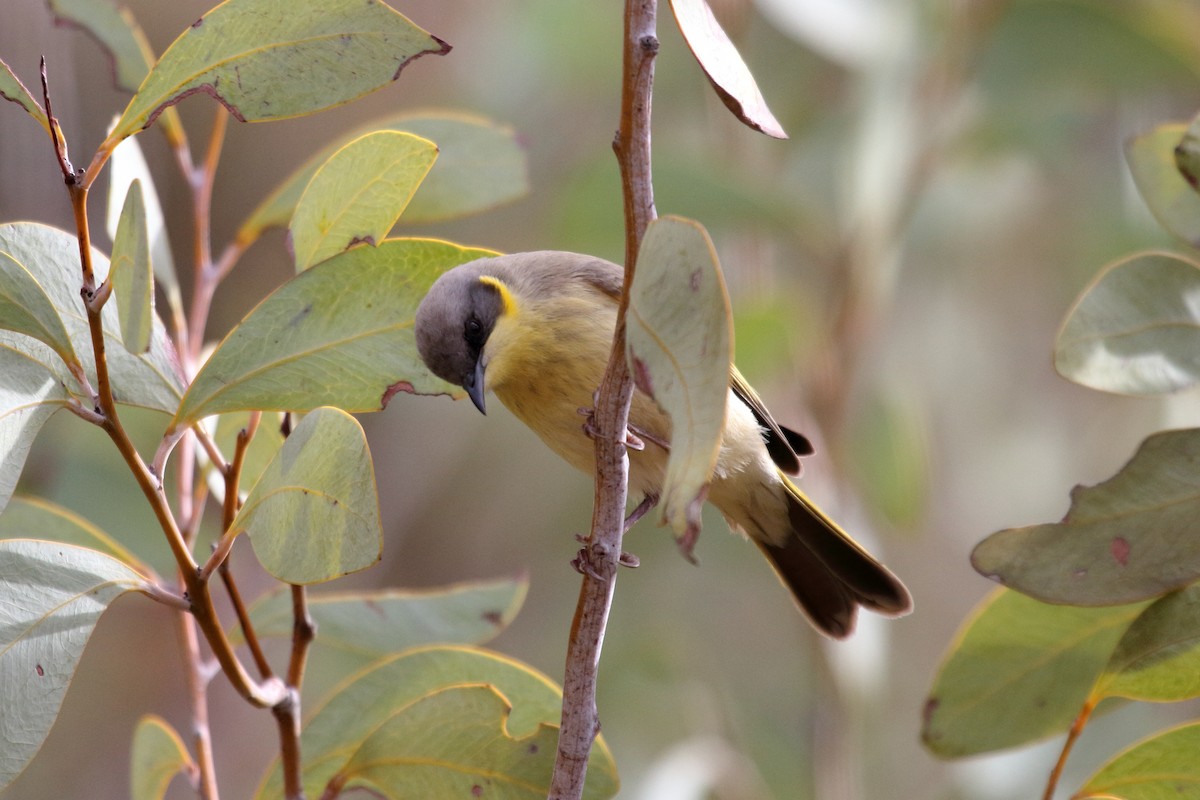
column 680, row 347
column 51, row 596
column 1187, row 154
column 131, row 275
column 358, row 194
column 479, row 165
column 1018, row 670
column 369, row 699
column 723, row 66
column 29, row 395
column 338, row 334
column 26, row 308
column 472, row 753
column 1133, row 537
column 118, row 33
column 34, row 518
column 150, row 380
column 265, row 60
column 891, row 458
column 1135, row 329
column 1158, row 658
column 1162, row 766
column 263, row 447
column 314, row 514
column 1166, row 191
column 375, row 624
column 157, row 756
column 127, row 165
column 13, row 90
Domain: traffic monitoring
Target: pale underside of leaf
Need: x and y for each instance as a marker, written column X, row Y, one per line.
column 13, row 90
column 29, row 395
column 1168, row 195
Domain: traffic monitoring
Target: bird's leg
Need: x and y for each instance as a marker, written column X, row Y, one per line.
column 582, row 560
column 635, row 437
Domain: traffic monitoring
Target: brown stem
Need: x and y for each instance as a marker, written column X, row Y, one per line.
column 206, row 277
column 197, row 686
column 580, row 721
column 1076, row 729
column 304, row 630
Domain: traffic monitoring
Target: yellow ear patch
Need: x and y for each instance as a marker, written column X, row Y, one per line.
column 506, row 297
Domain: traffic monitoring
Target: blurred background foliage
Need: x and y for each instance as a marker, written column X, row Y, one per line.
column 898, row 270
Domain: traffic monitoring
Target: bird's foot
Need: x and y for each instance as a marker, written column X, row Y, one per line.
column 635, row 437
column 584, row 561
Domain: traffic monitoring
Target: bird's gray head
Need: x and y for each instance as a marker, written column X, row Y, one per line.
column 453, row 323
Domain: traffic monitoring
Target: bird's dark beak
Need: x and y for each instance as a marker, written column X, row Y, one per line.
column 473, row 383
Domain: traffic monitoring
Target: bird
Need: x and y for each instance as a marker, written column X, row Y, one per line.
column 536, row 329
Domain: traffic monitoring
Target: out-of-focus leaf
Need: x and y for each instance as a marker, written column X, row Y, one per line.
column 1162, row 766
column 157, row 756
column 1136, row 328
column 127, row 165
column 479, row 165
column 150, row 380
column 719, row 59
column 891, row 458
column 375, row 624
column 1172, row 201
column 34, row 518
column 314, row 514
column 358, row 194
column 115, row 29
column 29, row 395
column 1187, row 154
column 1158, row 658
column 51, row 596
column 1017, row 671
column 13, row 90
column 680, row 346
column 264, row 60
column 338, row 334
column 131, row 274
column 1133, row 537
column 263, row 447
column 384, row 690
column 26, row 307
column 400, row 759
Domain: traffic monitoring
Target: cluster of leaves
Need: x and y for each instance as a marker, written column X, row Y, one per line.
column 334, row 339
column 1106, row 604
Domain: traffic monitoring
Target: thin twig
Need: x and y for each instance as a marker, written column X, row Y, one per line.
column 601, row 555
column 1072, row 735
column 206, row 278
column 304, row 630
column 197, row 686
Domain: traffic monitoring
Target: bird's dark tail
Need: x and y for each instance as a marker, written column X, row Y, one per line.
column 829, row 574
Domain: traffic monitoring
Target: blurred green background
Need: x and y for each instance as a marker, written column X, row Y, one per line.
column 898, row 269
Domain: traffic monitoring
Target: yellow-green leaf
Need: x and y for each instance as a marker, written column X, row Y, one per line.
column 263, row 447
column 1133, row 537
column 51, row 596
column 1018, row 670
column 1135, row 329
column 1159, row 767
column 26, row 307
column 358, row 194
column 338, row 334
column 679, row 344
column 379, row 623
column 1187, row 154
column 726, row 71
column 157, row 756
column 1158, row 658
column 131, row 274
column 30, row 393
column 367, row 701
column 34, row 518
column 480, row 165
column 314, row 514
column 267, row 59
column 1171, row 199
column 13, row 90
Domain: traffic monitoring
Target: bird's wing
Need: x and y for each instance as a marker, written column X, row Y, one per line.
column 785, row 446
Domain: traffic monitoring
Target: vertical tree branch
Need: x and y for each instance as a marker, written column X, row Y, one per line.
column 599, row 558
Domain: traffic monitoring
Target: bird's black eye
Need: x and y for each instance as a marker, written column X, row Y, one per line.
column 473, row 332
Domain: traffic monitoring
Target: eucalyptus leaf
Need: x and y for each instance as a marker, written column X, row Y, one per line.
column 379, row 623
column 35, row 518
column 338, row 334
column 369, row 699
column 265, row 60
column 1136, row 328
column 1162, row 766
column 131, row 274
column 314, row 514
column 51, row 596
column 29, row 395
column 1169, row 196
column 13, row 90
column 1133, row 537
column 157, row 756
column 1018, row 670
column 679, row 345
column 25, row 307
column 1187, row 154
column 1158, row 658
column 358, row 194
